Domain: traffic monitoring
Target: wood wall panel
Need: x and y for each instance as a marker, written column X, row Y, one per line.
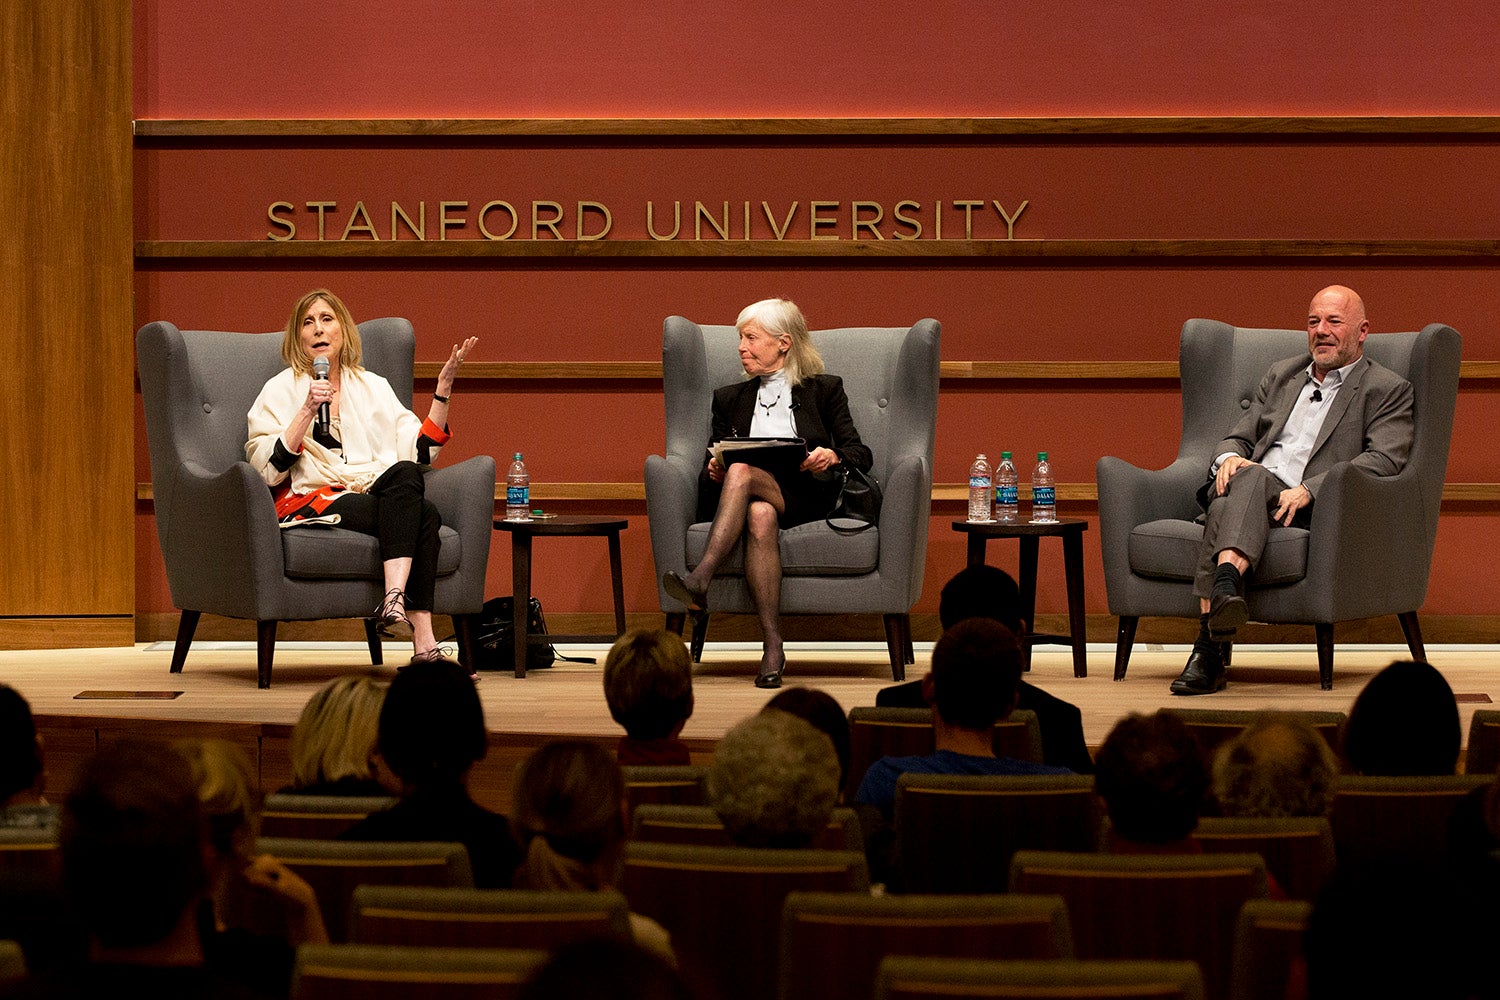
column 65, row 264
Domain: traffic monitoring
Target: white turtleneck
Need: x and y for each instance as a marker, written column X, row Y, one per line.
column 773, row 407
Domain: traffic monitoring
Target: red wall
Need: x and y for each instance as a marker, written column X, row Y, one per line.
column 277, row 59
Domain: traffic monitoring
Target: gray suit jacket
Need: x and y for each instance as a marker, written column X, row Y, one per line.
column 1370, row 424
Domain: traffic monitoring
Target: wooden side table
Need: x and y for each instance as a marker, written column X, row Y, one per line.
column 1070, row 530
column 567, row 525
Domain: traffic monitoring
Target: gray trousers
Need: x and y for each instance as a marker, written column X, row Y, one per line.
column 1240, row 519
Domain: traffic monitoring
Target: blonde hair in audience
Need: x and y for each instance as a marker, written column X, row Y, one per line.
column 335, row 735
column 227, row 793
column 568, row 815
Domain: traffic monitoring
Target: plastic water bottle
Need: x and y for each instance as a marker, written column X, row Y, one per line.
column 1043, row 492
column 979, row 489
column 1007, row 491
column 518, row 491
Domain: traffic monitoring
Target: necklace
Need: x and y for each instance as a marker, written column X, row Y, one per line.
column 765, row 405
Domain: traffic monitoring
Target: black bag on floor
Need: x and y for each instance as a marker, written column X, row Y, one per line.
column 496, row 637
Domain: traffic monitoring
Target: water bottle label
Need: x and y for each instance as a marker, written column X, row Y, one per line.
column 518, row 496
column 1044, row 496
column 1009, row 494
column 979, row 482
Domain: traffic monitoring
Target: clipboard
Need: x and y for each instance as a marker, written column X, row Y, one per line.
column 781, row 457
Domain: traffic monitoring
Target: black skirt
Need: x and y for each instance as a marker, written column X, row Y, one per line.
column 809, row 497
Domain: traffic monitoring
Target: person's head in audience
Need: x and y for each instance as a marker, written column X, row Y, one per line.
column 974, row 681
column 133, row 854
column 602, row 967
column 1151, row 776
column 20, row 751
column 982, row 592
column 774, row 781
column 824, row 712
column 568, row 815
column 226, row 794
column 648, row 684
column 432, row 726
column 1277, row 766
column 1405, row 721
column 333, row 742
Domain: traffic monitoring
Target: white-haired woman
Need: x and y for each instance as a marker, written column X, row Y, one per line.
column 785, row 393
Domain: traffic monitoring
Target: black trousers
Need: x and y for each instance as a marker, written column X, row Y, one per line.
column 397, row 513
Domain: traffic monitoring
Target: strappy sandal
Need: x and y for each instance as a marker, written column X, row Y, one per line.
column 392, row 611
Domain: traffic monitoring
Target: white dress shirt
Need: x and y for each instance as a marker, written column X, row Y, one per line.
column 1289, row 454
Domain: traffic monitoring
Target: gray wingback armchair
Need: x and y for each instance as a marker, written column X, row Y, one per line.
column 891, row 378
column 225, row 553
column 1369, row 547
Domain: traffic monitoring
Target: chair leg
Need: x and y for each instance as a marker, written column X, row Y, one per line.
column 897, row 641
column 186, row 626
column 1124, row 640
column 265, row 649
column 372, row 639
column 1413, row 633
column 1325, row 654
column 675, row 621
column 700, row 634
column 466, row 628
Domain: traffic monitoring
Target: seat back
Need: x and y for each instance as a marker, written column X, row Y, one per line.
column 30, row 853
column 384, row 972
column 484, row 918
column 1267, row 943
column 1483, row 756
column 832, row 943
column 1213, row 727
column 876, row 732
column 907, row 978
column 722, row 905
column 316, row 817
column 1298, row 850
column 1149, row 906
column 667, row 824
column 335, row 867
column 1380, row 818
column 664, row 785
column 957, row 833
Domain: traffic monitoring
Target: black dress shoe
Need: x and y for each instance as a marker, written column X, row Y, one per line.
column 1226, row 613
column 1204, row 673
column 674, row 584
column 766, row 679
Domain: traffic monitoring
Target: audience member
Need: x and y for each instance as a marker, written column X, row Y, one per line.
column 1150, row 774
column 976, row 669
column 431, row 735
column 334, row 740
column 588, row 970
column 133, row 857
column 1405, row 721
column 1277, row 766
column 21, row 768
column 988, row 592
column 568, row 816
column 825, row 714
column 648, row 683
column 1474, row 826
column 258, row 910
column 774, row 781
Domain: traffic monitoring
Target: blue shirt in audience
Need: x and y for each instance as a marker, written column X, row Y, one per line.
column 879, row 787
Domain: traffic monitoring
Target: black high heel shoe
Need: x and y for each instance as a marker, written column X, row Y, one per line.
column 674, row 584
column 392, row 611
column 773, row 679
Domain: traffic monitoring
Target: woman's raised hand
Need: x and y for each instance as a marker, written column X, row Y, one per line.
column 451, row 366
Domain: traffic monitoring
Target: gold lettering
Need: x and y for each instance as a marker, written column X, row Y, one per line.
column 780, row 233
column 417, row 229
column 276, row 220
column 445, row 220
column 906, row 220
column 700, row 212
column 815, row 220
column 593, row 206
column 538, row 223
column 747, row 220
column 937, row 214
column 508, row 208
column 968, row 207
column 354, row 223
column 320, row 207
column 856, row 224
column 1010, row 220
column 676, row 221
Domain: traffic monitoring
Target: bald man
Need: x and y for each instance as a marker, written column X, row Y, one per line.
column 1308, row 417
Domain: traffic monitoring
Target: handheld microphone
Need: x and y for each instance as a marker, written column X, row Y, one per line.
column 320, row 372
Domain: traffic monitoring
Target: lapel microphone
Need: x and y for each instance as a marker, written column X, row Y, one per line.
column 1317, row 396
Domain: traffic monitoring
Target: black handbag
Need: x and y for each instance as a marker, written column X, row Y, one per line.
column 858, row 500
column 497, row 637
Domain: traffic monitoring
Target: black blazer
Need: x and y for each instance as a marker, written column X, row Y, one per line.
column 820, row 409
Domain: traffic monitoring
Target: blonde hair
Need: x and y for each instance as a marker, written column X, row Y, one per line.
column 335, row 735
column 227, row 793
column 567, row 813
column 291, row 343
column 782, row 318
